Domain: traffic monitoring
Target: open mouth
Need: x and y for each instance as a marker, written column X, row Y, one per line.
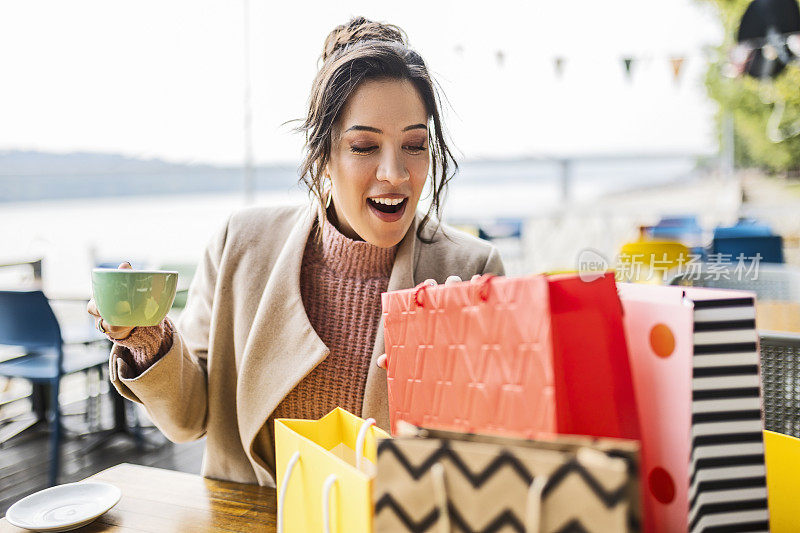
column 388, row 205
column 388, row 209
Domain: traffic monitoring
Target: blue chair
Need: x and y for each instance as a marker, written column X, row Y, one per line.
column 682, row 229
column 501, row 228
column 678, row 222
column 28, row 321
column 743, row 228
column 768, row 247
column 674, row 228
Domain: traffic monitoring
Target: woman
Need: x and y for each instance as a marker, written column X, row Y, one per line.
column 283, row 315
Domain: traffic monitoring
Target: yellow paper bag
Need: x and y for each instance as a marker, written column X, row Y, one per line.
column 783, row 480
column 325, row 469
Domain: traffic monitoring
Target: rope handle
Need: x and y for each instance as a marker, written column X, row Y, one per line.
column 361, row 440
column 326, row 502
column 284, row 485
column 483, row 284
column 440, row 492
column 533, row 506
column 329, row 481
column 420, row 289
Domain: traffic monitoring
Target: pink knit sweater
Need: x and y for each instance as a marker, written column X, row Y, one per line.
column 341, row 281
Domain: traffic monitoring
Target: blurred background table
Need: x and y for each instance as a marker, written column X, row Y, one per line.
column 162, row 501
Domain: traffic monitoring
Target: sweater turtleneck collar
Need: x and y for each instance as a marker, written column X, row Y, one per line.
column 349, row 257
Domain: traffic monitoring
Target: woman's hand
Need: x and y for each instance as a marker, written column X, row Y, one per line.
column 381, row 360
column 116, row 333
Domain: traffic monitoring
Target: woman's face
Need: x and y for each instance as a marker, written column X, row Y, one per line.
column 379, row 161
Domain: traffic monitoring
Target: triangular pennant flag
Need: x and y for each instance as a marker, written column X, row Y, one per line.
column 628, row 62
column 558, row 63
column 677, row 65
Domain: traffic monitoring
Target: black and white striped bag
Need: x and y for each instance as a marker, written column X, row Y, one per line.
column 695, row 364
column 727, row 484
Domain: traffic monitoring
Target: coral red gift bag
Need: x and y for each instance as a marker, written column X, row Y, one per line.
column 594, row 387
column 513, row 356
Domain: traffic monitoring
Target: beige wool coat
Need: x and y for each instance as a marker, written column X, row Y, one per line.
column 244, row 340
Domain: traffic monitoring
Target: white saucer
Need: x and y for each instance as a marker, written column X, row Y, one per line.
column 64, row 507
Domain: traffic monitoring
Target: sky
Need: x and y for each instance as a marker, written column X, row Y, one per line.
column 165, row 78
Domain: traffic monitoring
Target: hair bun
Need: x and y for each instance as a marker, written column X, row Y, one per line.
column 361, row 29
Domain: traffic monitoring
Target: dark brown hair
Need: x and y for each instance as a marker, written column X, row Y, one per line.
column 353, row 53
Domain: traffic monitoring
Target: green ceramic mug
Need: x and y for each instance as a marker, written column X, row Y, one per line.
column 127, row 297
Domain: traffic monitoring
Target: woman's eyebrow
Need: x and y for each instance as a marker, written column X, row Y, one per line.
column 376, row 130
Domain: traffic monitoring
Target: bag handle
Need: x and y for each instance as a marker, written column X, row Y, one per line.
column 420, row 289
column 440, row 492
column 483, row 284
column 284, row 485
column 360, row 440
column 326, row 502
column 326, row 494
column 329, row 481
column 533, row 506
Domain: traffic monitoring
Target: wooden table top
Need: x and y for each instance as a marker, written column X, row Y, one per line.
column 164, row 501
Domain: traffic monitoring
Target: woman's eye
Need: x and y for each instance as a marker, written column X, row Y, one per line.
column 414, row 149
column 362, row 150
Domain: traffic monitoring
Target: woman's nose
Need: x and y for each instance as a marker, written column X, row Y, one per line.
column 393, row 170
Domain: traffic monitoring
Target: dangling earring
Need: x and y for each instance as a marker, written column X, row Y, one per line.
column 330, row 193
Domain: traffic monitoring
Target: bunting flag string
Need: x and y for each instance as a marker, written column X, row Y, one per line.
column 631, row 64
column 768, row 40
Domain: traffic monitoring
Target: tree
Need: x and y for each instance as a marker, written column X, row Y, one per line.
column 750, row 101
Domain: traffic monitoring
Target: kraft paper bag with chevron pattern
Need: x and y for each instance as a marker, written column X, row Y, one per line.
column 442, row 482
column 511, row 356
column 695, row 362
column 325, row 469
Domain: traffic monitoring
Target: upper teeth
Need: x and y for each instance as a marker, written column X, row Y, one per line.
column 387, row 201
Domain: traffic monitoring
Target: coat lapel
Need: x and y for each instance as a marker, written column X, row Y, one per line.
column 282, row 346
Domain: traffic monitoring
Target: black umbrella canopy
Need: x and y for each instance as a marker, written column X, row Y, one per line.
column 763, row 23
